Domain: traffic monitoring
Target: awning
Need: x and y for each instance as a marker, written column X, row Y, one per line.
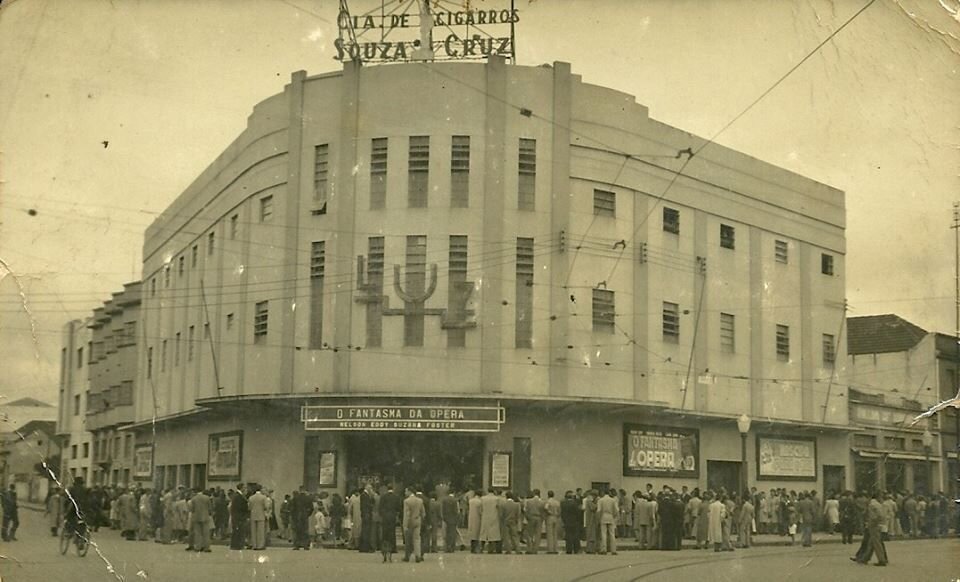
column 896, row 456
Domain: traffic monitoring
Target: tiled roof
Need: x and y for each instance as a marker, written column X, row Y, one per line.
column 880, row 334
column 28, row 402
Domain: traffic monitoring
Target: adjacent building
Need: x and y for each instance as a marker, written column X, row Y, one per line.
column 485, row 274
column 895, row 373
column 28, row 456
column 113, row 376
column 76, row 358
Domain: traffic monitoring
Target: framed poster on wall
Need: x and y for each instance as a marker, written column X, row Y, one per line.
column 143, row 462
column 224, row 456
column 786, row 458
column 500, row 469
column 657, row 451
column 328, row 469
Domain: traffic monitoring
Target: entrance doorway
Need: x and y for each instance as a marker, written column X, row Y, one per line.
column 425, row 460
column 724, row 474
column 834, row 479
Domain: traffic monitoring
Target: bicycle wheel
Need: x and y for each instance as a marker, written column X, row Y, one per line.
column 65, row 539
column 83, row 545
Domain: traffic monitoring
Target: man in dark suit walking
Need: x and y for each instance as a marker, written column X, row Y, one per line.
column 390, row 508
column 571, row 517
column 450, row 514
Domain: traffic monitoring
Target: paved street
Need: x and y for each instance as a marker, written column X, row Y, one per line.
column 35, row 558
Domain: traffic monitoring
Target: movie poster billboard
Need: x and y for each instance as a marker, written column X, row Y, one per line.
column 656, row 451
column 224, row 455
column 791, row 459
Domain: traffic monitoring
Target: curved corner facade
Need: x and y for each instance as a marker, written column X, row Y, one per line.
column 449, row 235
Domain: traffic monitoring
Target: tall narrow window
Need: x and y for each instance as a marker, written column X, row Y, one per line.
column 671, row 220
column 826, row 264
column 181, row 263
column 318, row 266
column 671, row 322
column 419, row 174
column 460, row 172
column 727, row 236
column 604, row 311
column 727, row 333
column 163, row 355
column 829, row 349
column 153, row 287
column 79, row 357
column 211, row 238
column 781, row 251
column 457, row 293
column 176, row 350
column 320, row 174
column 191, row 337
column 527, row 170
column 604, row 203
column 783, row 343
column 524, row 315
column 414, row 286
column 375, row 261
column 230, row 321
column 266, row 208
column 234, row 226
column 193, row 257
column 150, row 362
column 378, row 173
column 261, row 316
column 166, row 276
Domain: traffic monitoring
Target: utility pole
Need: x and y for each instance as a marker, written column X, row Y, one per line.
column 956, row 364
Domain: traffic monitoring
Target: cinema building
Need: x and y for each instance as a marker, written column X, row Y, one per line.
column 453, row 272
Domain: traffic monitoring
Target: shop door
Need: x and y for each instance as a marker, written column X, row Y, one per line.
column 895, row 476
column 725, row 474
column 834, row 479
column 865, row 475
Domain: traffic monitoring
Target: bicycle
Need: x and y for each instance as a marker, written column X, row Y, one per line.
column 78, row 536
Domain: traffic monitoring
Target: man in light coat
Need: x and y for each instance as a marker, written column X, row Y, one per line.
column 718, row 513
column 745, row 527
column 551, row 511
column 608, row 511
column 643, row 518
column 257, row 505
column 201, row 520
column 473, row 521
column 490, row 522
column 413, row 514
column 533, row 511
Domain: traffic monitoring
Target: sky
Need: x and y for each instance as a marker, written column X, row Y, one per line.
column 110, row 108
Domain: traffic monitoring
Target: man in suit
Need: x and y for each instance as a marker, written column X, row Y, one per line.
column 510, row 523
column 607, row 512
column 745, row 527
column 490, row 522
column 873, row 540
column 643, row 521
column 807, row 511
column 571, row 518
column 450, row 515
column 413, row 514
column 366, row 519
column 426, row 528
column 533, row 510
column 201, row 521
column 389, row 508
column 300, row 509
column 258, row 519
column 551, row 511
column 239, row 512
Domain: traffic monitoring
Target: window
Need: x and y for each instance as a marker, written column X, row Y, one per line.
column 211, row 239
column 894, row 443
column 378, row 173
column 128, row 446
column 73, row 451
column 181, row 262
column 163, row 355
column 229, row 321
column 234, row 226
column 604, row 314
column 76, row 405
column 604, row 203
column 153, row 287
column 727, row 332
column 826, row 264
column 864, row 441
column 458, row 291
column 318, row 257
column 415, row 282
column 149, row 362
column 125, row 397
column 783, row 343
column 193, row 257
column 829, row 349
column 419, row 172
column 524, row 315
column 527, row 171
column 86, row 450
column 260, row 318
column 320, row 174
column 206, row 330
column 130, row 332
column 191, row 337
column 671, row 220
column 90, row 359
column 375, row 262
column 266, row 208
column 79, row 357
column 176, row 350
column 166, row 276
column 727, row 236
column 671, row 322
column 780, row 251
column 460, row 172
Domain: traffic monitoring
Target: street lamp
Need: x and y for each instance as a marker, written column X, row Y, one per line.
column 743, row 425
column 927, row 444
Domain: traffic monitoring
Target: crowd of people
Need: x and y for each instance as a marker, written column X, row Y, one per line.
column 497, row 521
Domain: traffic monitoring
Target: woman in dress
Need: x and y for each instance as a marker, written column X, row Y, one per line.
column 831, row 512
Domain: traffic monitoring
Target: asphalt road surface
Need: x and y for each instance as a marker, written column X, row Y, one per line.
column 35, row 558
